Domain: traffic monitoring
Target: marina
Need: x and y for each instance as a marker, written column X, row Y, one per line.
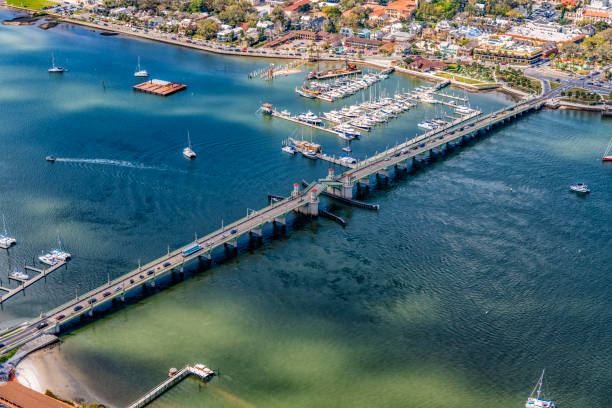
column 25, row 283
column 340, row 88
column 159, row 87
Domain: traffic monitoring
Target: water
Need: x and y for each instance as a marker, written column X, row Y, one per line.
column 475, row 274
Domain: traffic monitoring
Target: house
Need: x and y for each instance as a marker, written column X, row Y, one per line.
column 425, row 65
column 364, row 33
column 226, row 35
column 346, row 32
column 294, row 9
column 443, row 25
column 401, row 9
column 264, row 24
column 252, row 33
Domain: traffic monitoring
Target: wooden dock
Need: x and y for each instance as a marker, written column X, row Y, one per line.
column 159, row 87
column 167, row 384
column 27, row 282
column 334, row 160
column 293, row 119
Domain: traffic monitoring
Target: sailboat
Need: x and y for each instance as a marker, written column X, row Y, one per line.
column 537, row 401
column 608, row 154
column 54, row 69
column 5, row 240
column 139, row 71
column 187, row 152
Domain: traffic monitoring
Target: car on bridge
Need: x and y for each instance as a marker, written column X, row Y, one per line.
column 105, row 294
column 77, row 308
column 234, row 231
column 167, row 264
column 60, row 317
column 42, row 325
column 150, row 272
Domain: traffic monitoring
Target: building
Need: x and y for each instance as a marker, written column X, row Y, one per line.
column 598, row 10
column 425, row 65
column 347, row 32
column 364, row 33
column 508, row 53
column 401, row 9
column 294, row 9
column 540, row 33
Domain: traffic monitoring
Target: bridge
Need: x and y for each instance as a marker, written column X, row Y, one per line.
column 304, row 201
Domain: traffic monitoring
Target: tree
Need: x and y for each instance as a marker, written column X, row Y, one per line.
column 601, row 25
column 195, row 6
column 278, row 15
column 208, row 28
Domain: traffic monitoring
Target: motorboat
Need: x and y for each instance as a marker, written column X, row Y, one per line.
column 48, row 259
column 18, row 275
column 310, row 155
column 538, row 401
column 289, row 149
column 139, row 71
column 427, row 125
column 346, row 132
column 188, row 152
column 55, row 69
column 309, row 118
column 580, row 188
column 51, row 158
column 285, row 113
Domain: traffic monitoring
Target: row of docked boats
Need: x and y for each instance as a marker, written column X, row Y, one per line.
column 310, row 150
column 339, row 88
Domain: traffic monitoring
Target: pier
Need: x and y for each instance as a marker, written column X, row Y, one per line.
column 293, row 119
column 199, row 371
column 42, row 273
column 334, row 160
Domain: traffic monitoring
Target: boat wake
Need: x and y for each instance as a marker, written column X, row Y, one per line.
column 110, row 162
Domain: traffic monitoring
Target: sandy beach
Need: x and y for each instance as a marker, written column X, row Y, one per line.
column 47, row 370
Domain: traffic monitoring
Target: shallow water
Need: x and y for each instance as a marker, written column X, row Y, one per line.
column 475, row 274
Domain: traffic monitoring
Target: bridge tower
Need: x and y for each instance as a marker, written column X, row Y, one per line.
column 348, row 182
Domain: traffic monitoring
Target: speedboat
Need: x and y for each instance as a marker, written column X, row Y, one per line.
column 309, row 155
column 55, row 69
column 346, row 132
column 427, row 125
column 50, row 158
column 580, row 188
column 537, row 401
column 289, row 149
column 285, row 113
column 139, row 71
column 5, row 240
column 347, row 149
column 463, row 110
column 61, row 254
column 18, row 275
column 348, row 159
column 188, row 152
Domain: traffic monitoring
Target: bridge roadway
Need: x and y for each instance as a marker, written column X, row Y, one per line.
column 432, row 139
column 117, row 288
column 149, row 272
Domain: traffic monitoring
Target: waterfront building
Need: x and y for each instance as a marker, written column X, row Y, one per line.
column 539, row 33
column 508, row 53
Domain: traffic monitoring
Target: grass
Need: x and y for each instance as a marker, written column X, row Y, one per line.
column 48, row 393
column 554, row 84
column 31, row 4
column 459, row 78
column 6, row 357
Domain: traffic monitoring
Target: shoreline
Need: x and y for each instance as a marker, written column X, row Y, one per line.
column 47, row 369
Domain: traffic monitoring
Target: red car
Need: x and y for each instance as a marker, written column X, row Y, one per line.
column 106, row 294
column 60, row 317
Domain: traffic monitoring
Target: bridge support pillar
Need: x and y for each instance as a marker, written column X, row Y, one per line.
column 90, row 313
column 205, row 255
column 232, row 243
column 401, row 165
column 384, row 173
column 365, row 181
column 282, row 220
column 255, row 232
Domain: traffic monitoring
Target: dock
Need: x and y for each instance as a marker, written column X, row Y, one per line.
column 334, row 160
column 42, row 273
column 159, row 87
column 275, row 113
column 195, row 371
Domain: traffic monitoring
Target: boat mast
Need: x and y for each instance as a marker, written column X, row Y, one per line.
column 540, row 383
column 4, row 225
column 189, row 139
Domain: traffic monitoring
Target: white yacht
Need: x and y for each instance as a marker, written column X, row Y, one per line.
column 537, row 401
column 346, row 132
column 187, row 152
column 463, row 110
column 5, row 240
column 580, row 188
column 139, row 71
column 310, row 118
column 348, row 159
column 55, row 69
column 427, row 125
column 18, row 275
column 289, row 149
column 48, row 259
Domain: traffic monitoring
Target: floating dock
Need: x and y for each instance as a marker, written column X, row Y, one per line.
column 42, row 273
column 159, row 87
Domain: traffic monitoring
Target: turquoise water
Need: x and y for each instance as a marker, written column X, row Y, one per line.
column 476, row 273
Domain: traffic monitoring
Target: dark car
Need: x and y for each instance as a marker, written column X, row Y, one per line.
column 167, row 264
column 141, row 276
column 42, row 325
column 234, row 231
column 60, row 317
column 422, row 145
column 105, row 294
column 150, row 272
column 77, row 308
column 92, row 301
column 131, row 280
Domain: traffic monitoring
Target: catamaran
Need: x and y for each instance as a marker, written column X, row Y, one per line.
column 54, row 69
column 139, row 71
column 187, row 152
column 18, row 275
column 537, row 402
column 5, row 240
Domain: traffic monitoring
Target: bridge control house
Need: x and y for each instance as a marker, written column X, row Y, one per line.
column 518, row 54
